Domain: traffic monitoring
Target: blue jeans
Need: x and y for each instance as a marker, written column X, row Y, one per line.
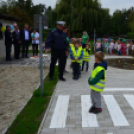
column 87, row 65
column 119, row 52
column 98, row 49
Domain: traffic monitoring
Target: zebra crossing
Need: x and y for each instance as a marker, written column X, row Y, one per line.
column 88, row 120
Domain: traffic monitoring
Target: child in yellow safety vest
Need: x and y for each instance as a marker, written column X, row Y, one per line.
column 76, row 54
column 86, row 57
column 97, row 82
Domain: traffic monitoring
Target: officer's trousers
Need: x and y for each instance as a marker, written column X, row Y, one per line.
column 57, row 55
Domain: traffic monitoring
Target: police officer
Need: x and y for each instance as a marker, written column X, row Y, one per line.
column 56, row 40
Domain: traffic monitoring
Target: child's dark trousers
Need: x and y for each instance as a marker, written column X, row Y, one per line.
column 76, row 69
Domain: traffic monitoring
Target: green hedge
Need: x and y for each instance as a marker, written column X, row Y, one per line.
column 45, row 34
column 130, row 35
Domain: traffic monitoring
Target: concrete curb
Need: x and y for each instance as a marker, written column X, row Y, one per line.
column 47, row 111
column 5, row 130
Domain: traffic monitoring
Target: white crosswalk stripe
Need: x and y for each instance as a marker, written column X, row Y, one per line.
column 59, row 116
column 88, row 120
column 130, row 100
column 116, row 114
column 60, row 113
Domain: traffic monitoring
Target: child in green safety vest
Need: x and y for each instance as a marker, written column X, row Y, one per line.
column 97, row 82
column 86, row 57
column 76, row 54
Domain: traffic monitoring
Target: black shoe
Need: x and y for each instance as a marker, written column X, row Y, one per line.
column 9, row 60
column 77, row 77
column 91, row 109
column 74, row 77
column 97, row 110
column 22, row 57
column 26, row 57
column 81, row 69
column 62, row 79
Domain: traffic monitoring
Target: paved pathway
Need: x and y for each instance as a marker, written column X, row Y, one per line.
column 68, row 113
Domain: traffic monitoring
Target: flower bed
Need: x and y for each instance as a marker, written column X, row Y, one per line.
column 122, row 63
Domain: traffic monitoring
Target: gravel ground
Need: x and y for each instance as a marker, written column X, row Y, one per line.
column 17, row 83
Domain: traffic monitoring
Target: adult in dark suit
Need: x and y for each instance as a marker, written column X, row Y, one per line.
column 25, row 36
column 16, row 42
column 8, row 42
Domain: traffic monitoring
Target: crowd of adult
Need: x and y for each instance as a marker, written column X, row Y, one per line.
column 21, row 38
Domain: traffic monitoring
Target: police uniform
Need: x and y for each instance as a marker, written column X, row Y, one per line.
column 86, row 58
column 56, row 40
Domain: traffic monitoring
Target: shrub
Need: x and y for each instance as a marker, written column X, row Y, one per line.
column 130, row 35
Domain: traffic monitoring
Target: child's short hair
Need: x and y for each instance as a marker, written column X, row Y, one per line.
column 73, row 41
column 87, row 44
column 77, row 41
column 100, row 56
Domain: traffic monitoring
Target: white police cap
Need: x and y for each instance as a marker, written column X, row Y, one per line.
column 61, row 23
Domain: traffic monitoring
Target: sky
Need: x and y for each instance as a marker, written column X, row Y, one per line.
column 111, row 4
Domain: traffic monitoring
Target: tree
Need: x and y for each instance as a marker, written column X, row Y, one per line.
column 80, row 14
column 25, row 10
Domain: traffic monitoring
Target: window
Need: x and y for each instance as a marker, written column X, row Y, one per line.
column 1, row 34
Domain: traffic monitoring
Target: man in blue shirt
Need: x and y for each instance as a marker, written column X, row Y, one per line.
column 56, row 40
column 25, row 36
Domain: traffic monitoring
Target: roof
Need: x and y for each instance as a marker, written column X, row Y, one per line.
column 8, row 17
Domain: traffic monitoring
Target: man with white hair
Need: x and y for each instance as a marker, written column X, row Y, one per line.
column 25, row 36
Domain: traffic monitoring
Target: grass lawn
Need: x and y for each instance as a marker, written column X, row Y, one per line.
column 28, row 121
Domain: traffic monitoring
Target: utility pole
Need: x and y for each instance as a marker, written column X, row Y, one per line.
column 41, row 22
column 41, row 58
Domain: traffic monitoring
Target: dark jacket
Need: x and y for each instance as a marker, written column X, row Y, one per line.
column 57, row 40
column 22, row 35
column 8, row 37
column 16, row 37
column 103, row 64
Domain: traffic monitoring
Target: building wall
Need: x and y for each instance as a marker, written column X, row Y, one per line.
column 2, row 42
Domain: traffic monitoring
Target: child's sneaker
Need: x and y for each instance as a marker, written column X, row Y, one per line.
column 91, row 110
column 97, row 110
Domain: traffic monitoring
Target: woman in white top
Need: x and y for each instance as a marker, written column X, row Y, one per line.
column 127, row 48
column 111, row 45
column 35, row 42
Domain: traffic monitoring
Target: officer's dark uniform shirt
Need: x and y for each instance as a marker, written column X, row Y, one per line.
column 57, row 40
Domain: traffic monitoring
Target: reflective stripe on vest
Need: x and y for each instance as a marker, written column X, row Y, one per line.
column 76, row 54
column 86, row 55
column 99, row 87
